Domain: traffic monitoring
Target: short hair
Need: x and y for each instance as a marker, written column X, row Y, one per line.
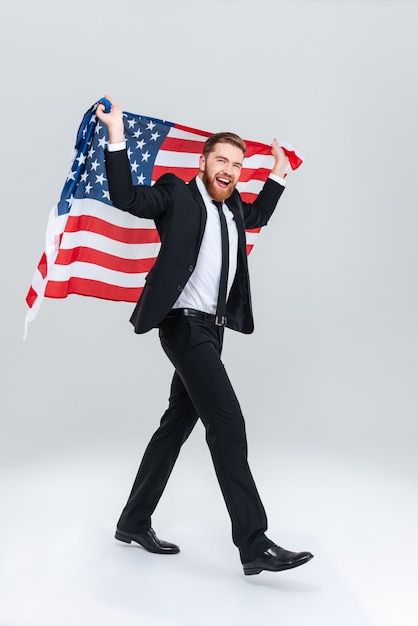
column 231, row 138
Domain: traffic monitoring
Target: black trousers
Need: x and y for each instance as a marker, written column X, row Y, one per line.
column 200, row 389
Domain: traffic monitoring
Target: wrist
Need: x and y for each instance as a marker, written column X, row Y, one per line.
column 116, row 135
column 279, row 171
column 281, row 167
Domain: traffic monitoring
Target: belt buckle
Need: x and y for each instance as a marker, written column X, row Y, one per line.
column 220, row 321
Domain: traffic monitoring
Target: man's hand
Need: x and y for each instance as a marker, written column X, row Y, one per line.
column 113, row 120
column 281, row 162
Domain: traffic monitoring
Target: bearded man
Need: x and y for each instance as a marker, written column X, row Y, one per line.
column 198, row 285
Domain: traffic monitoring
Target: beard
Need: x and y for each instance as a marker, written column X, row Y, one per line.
column 217, row 194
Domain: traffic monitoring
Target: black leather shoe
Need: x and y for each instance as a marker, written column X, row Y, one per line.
column 276, row 559
column 149, row 541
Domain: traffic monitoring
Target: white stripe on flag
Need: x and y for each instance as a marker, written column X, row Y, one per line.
column 109, row 246
column 167, row 158
column 178, row 133
column 251, row 238
column 108, row 213
column 63, row 273
column 252, row 186
column 258, row 160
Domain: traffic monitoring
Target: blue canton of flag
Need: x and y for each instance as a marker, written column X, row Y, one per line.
column 87, row 176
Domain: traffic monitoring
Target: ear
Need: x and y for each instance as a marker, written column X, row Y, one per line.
column 202, row 163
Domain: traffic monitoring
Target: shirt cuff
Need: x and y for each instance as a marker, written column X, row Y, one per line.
column 115, row 147
column 278, row 179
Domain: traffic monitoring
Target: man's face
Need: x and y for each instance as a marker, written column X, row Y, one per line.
column 220, row 170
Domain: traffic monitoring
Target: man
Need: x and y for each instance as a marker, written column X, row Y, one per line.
column 198, row 285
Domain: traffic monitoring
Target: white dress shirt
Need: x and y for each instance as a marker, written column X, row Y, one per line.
column 201, row 290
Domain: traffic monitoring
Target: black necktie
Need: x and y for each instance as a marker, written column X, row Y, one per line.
column 221, row 307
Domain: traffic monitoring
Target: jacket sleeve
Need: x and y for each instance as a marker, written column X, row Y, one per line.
column 140, row 200
column 258, row 213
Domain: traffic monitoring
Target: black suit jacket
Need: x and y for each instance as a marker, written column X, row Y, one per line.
column 179, row 213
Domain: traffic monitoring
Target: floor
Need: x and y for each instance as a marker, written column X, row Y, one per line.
column 60, row 564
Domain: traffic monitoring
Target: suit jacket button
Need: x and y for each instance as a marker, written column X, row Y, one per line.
column 179, row 288
column 191, row 268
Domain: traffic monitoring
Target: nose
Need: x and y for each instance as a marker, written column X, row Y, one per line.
column 228, row 169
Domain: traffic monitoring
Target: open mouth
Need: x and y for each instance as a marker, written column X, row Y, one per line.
column 223, row 182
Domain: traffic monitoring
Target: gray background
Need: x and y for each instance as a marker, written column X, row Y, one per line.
column 330, row 372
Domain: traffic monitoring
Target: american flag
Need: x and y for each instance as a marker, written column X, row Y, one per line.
column 94, row 249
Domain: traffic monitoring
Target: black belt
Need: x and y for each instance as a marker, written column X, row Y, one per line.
column 201, row 315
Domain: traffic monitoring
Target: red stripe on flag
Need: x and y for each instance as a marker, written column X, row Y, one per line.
column 257, row 148
column 175, row 144
column 109, row 261
column 118, row 233
column 294, row 160
column 43, row 266
column 247, row 174
column 194, row 131
column 94, row 288
column 247, row 196
column 185, row 173
column 31, row 297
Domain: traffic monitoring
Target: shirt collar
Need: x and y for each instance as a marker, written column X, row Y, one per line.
column 203, row 191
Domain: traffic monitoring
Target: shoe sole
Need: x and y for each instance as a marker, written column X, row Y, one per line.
column 251, row 571
column 127, row 539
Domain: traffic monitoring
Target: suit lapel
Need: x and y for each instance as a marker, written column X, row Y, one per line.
column 234, row 205
column 198, row 198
